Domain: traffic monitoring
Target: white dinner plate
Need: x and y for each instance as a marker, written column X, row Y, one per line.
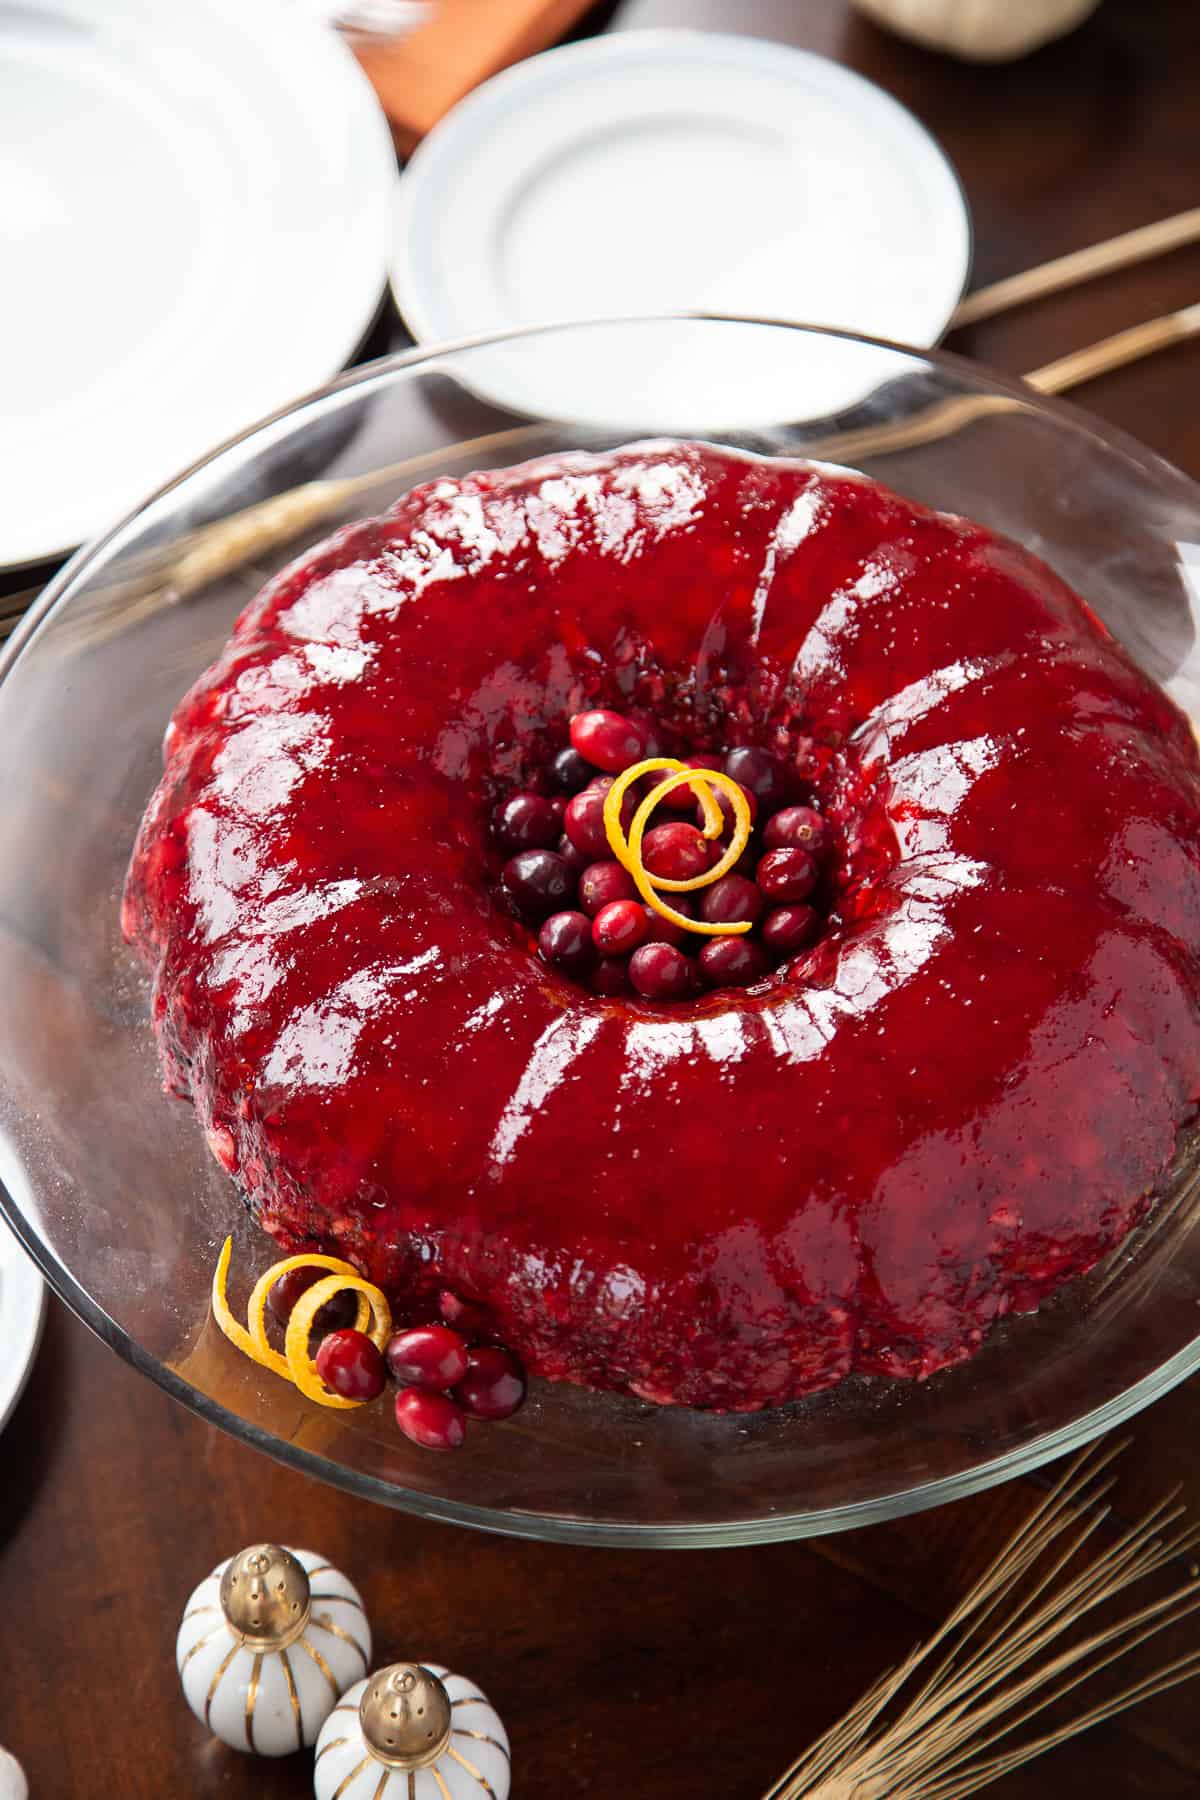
column 656, row 171
column 194, row 212
column 22, row 1305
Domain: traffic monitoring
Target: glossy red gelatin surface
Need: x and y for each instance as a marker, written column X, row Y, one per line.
column 961, row 1095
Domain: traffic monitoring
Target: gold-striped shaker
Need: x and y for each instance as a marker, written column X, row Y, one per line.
column 413, row 1731
column 269, row 1643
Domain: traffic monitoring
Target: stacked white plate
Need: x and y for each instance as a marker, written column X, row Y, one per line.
column 22, row 1304
column 194, row 207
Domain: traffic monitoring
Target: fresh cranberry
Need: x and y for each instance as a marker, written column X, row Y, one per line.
column 661, row 972
column 787, row 929
column 787, row 874
column 619, row 927
column 610, row 976
column 527, row 822
column 704, row 761
column 583, row 823
column 607, row 740
column 732, row 962
column 731, row 901
column 797, row 827
column 576, row 860
column 468, row 1317
column 603, row 882
column 666, row 931
column 493, row 1386
column 337, row 1313
column 569, row 772
column 558, row 806
column 760, row 773
column 432, row 1420
column 427, row 1356
column 676, row 852
column 726, row 805
column 350, row 1365
column 584, row 820
column 565, row 942
column 600, row 784
column 538, row 882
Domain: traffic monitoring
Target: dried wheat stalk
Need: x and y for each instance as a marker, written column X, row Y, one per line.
column 933, row 1729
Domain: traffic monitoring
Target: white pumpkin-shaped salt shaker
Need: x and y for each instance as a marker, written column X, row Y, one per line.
column 13, row 1785
column 268, row 1644
column 413, row 1731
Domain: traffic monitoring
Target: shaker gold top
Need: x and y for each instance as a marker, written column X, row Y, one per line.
column 405, row 1716
column 265, row 1597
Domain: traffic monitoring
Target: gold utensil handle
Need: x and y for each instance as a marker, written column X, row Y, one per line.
column 948, row 416
column 1114, row 352
column 1080, row 265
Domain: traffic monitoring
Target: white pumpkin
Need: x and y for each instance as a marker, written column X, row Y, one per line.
column 980, row 30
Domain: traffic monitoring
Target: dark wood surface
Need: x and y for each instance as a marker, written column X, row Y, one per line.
column 630, row 1674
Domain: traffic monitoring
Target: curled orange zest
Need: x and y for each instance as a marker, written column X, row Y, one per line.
column 233, row 1329
column 628, row 851
column 296, row 1366
column 256, row 1310
column 301, row 1366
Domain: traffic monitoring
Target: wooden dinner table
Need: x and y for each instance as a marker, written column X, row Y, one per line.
column 636, row 1674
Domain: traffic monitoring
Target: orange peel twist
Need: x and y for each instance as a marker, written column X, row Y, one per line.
column 232, row 1328
column 296, row 1365
column 256, row 1307
column 706, row 783
column 301, row 1366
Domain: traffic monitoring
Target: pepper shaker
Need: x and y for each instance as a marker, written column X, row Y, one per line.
column 413, row 1731
column 268, row 1644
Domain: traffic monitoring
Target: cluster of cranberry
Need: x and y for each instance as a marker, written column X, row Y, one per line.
column 562, row 878
column 442, row 1374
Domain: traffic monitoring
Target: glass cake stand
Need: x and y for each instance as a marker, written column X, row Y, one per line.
column 109, row 1184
